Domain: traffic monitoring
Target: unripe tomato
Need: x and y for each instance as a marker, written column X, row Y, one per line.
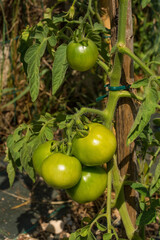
column 83, row 55
column 61, row 171
column 43, row 151
column 97, row 147
column 91, row 185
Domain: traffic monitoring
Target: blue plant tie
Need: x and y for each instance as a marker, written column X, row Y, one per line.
column 112, row 88
column 101, row 98
column 117, row 88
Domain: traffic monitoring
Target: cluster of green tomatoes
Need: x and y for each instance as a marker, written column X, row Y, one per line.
column 81, row 173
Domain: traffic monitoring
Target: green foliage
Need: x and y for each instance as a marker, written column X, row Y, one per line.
column 145, row 3
column 149, row 181
column 60, row 66
column 48, row 34
column 146, row 31
column 22, row 143
column 33, row 55
column 147, row 108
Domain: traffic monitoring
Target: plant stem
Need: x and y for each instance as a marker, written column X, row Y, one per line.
column 123, row 6
column 109, row 192
column 95, row 220
column 103, row 65
column 124, row 50
column 130, row 95
column 110, row 109
column 84, row 110
column 130, row 230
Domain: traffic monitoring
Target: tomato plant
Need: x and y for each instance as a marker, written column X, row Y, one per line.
column 61, row 171
column 97, row 147
column 82, row 55
column 43, row 151
column 91, row 186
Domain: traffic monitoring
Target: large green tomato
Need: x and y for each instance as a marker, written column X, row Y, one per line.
column 97, row 147
column 61, row 171
column 43, row 151
column 91, row 185
column 83, row 55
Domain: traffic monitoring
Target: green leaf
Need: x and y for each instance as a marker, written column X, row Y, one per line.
column 139, row 187
column 25, row 43
column 145, row 3
column 52, row 40
column 32, row 58
column 60, row 66
column 84, row 231
column 91, row 236
column 155, row 203
column 99, row 27
column 76, row 236
column 146, row 217
column 140, row 83
column 155, row 184
column 73, row 236
column 58, row 19
column 101, row 227
column 147, row 108
column 86, row 219
column 18, row 145
column 107, row 236
column 155, row 188
column 11, row 171
column 49, row 133
column 26, row 160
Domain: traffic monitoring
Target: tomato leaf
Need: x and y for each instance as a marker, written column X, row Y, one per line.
column 155, row 184
column 11, row 172
column 139, row 187
column 99, row 27
column 60, row 66
column 25, row 159
column 52, row 40
column 86, row 220
column 32, row 58
column 145, row 3
column 147, row 108
column 91, row 236
column 140, row 83
column 107, row 236
column 84, row 231
column 146, row 217
column 101, row 227
column 74, row 236
column 49, row 133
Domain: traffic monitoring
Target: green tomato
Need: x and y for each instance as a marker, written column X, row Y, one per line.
column 97, row 147
column 83, row 55
column 61, row 171
column 43, row 151
column 91, row 185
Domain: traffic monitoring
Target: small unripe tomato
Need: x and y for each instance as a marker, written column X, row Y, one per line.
column 61, row 171
column 83, row 55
